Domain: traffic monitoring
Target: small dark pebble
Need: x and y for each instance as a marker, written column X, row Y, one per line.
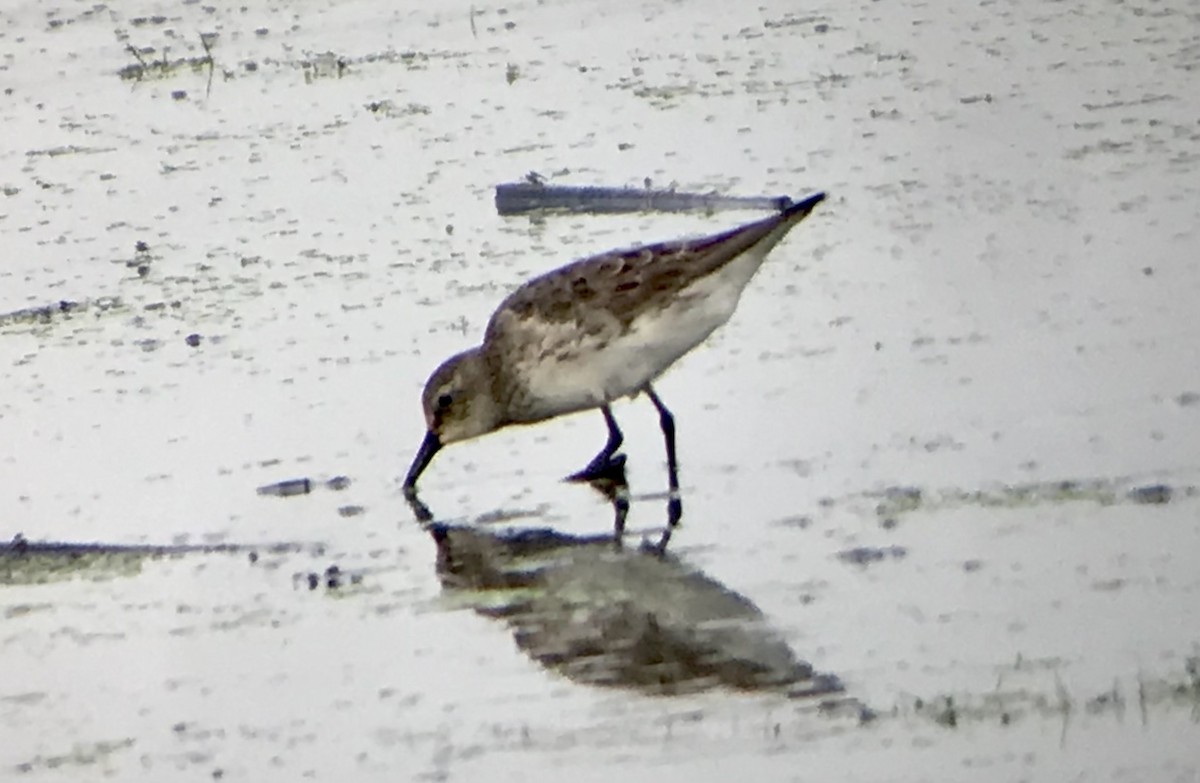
column 1152, row 493
column 179, row 95
column 192, row 340
column 333, row 577
column 338, row 483
column 1188, row 398
column 867, row 715
column 948, row 716
column 141, row 247
column 864, row 555
column 287, row 488
column 821, row 28
column 314, row 581
column 896, row 501
column 253, row 557
column 349, row 511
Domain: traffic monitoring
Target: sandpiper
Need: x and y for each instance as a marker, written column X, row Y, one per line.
column 586, row 334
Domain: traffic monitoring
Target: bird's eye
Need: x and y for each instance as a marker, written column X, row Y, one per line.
column 443, row 401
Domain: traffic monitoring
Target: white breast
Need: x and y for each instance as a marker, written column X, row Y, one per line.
column 605, row 367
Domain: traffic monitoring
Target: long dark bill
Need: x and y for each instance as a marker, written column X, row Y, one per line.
column 429, row 447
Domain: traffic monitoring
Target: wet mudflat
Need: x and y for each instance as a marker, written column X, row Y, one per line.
column 944, row 456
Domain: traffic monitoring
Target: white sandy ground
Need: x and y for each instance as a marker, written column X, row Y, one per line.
column 1001, row 291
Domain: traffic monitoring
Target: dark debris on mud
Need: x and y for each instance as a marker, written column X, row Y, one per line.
column 303, row 486
column 1025, row 693
column 39, row 562
column 893, row 502
column 64, row 308
column 333, row 578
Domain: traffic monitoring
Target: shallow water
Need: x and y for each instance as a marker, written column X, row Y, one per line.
column 998, row 297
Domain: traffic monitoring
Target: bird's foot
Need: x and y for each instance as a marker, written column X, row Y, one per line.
column 604, row 468
column 606, row 475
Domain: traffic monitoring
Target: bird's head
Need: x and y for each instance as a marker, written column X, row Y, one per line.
column 458, row 405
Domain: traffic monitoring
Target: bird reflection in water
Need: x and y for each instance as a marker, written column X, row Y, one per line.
column 637, row 618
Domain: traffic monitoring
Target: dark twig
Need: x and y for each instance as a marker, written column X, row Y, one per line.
column 137, row 56
column 208, row 56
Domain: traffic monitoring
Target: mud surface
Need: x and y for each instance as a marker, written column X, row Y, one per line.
column 943, row 460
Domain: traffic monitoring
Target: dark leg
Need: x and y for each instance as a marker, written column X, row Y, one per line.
column 602, row 462
column 667, row 421
column 614, row 486
column 621, row 510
